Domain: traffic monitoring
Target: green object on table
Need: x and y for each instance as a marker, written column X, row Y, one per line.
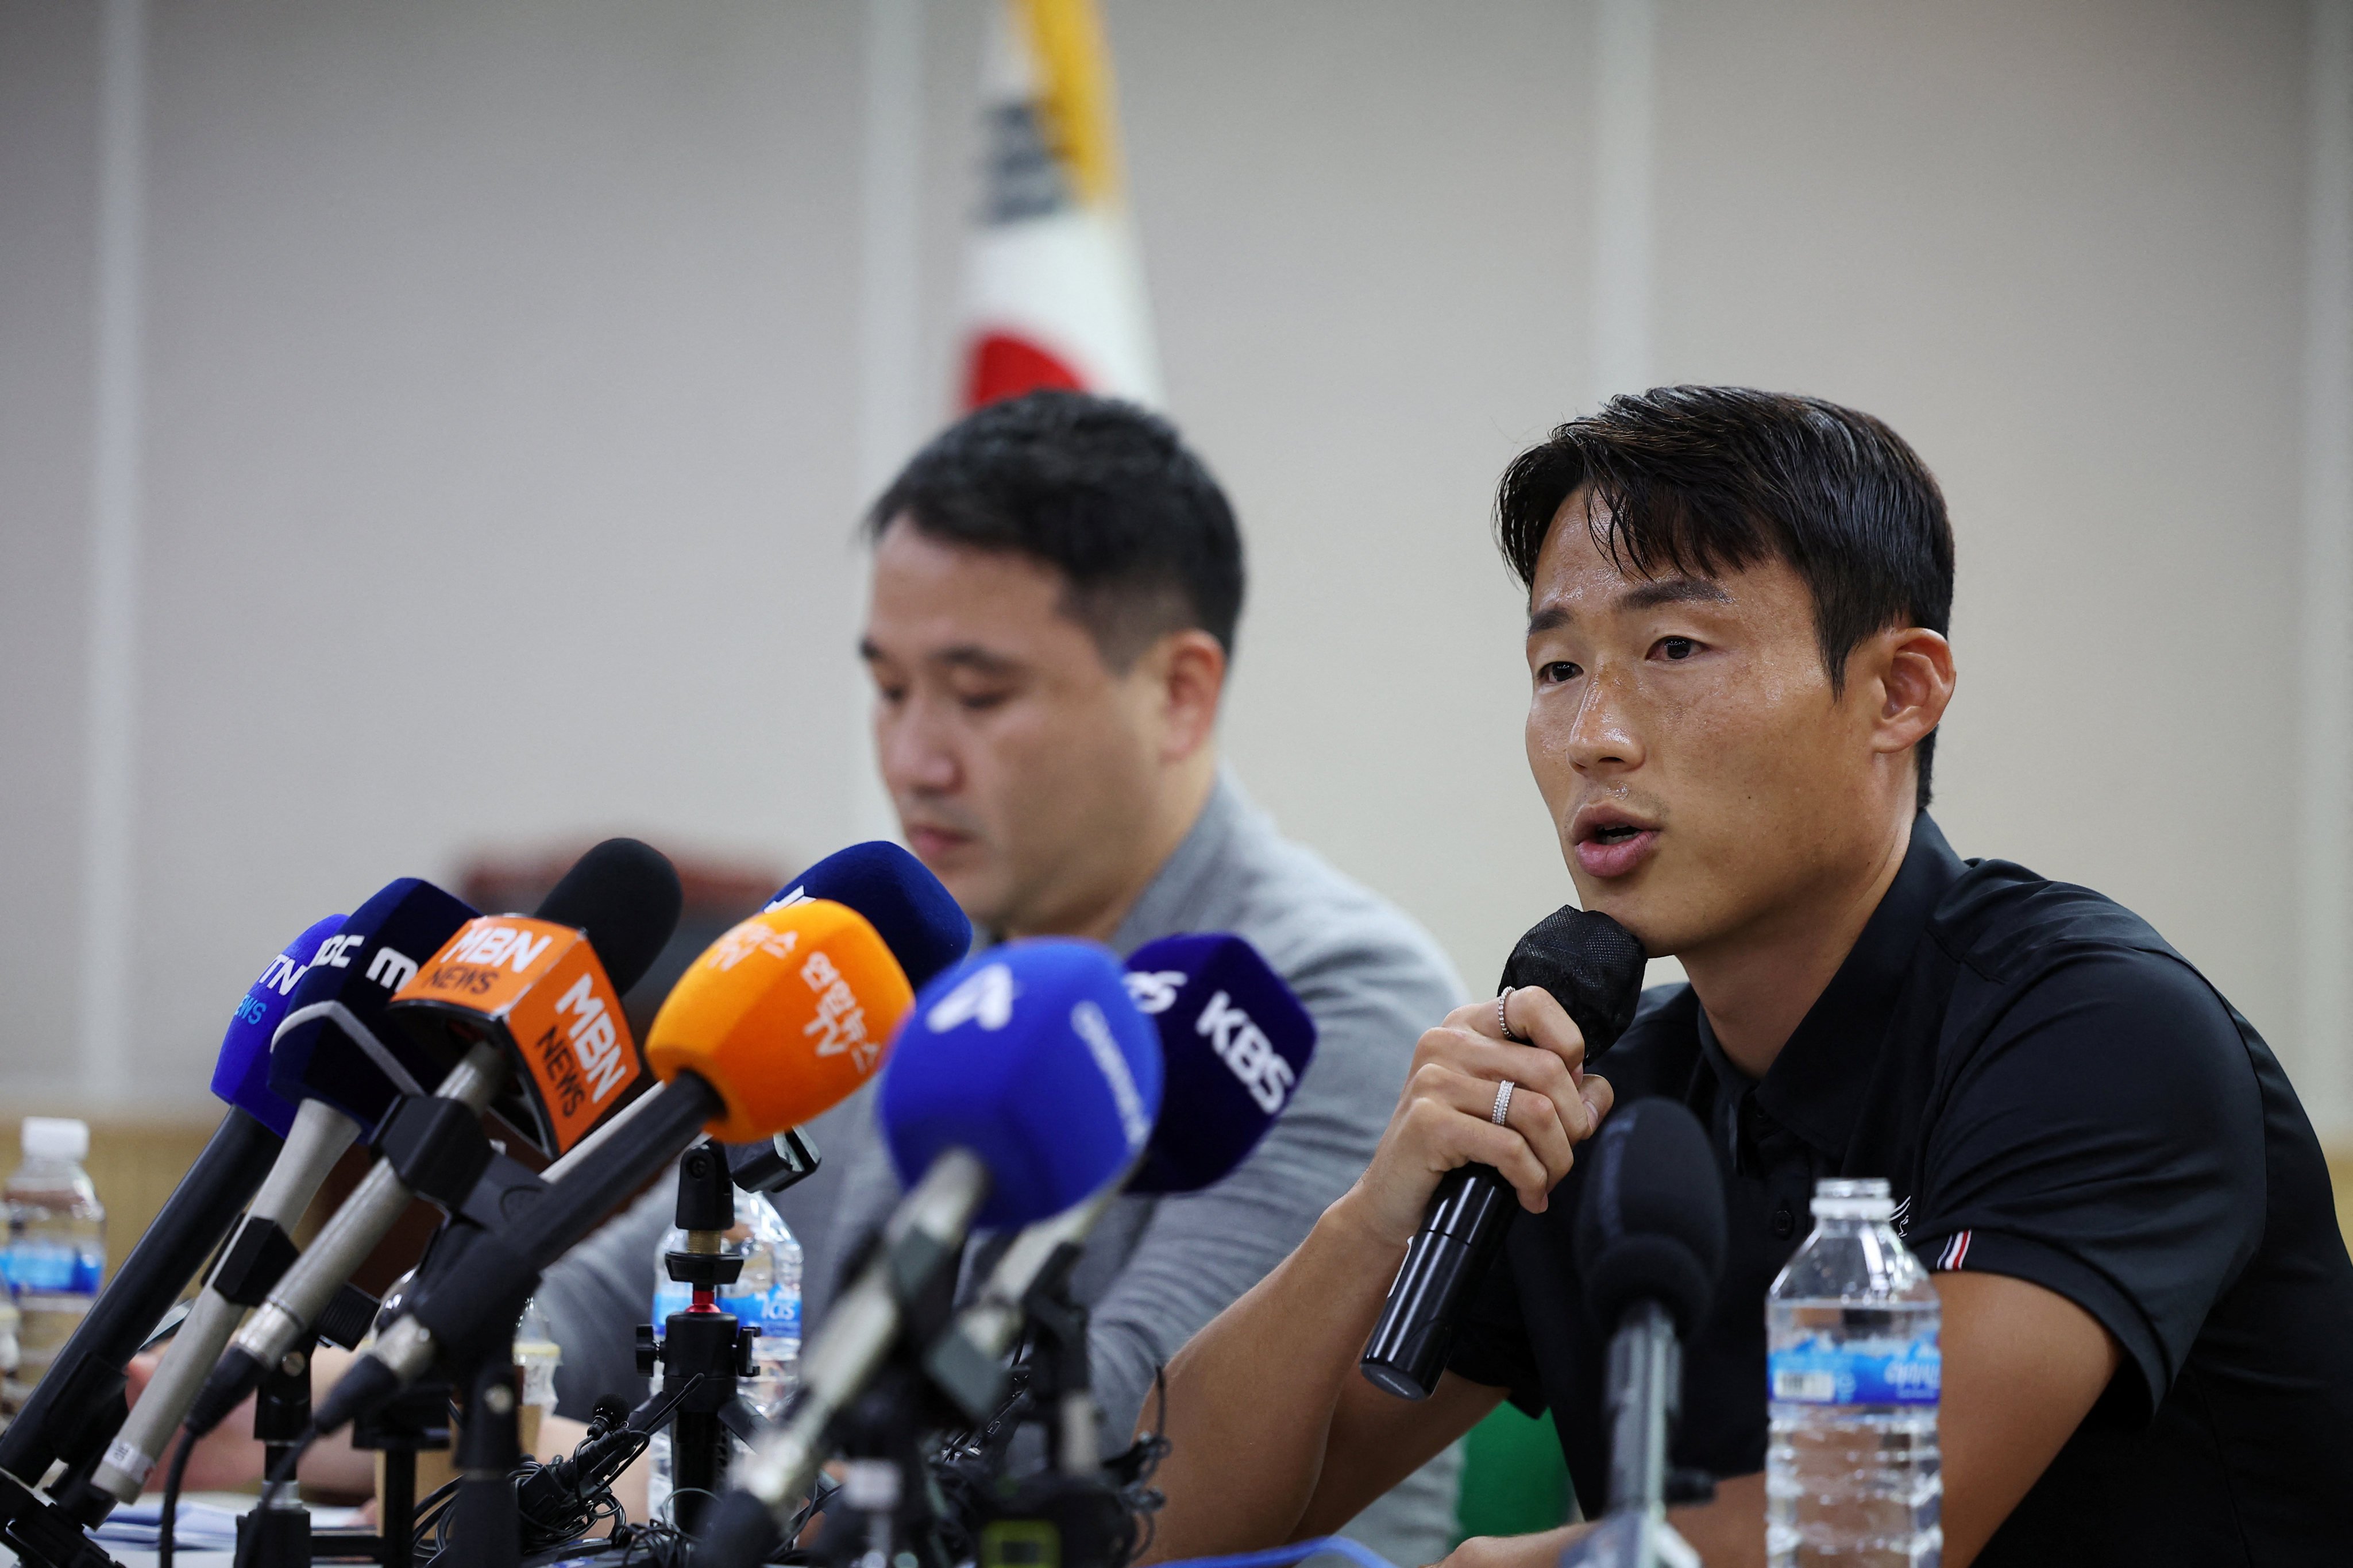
column 1514, row 1481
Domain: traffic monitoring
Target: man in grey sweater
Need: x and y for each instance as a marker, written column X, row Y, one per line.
column 1057, row 581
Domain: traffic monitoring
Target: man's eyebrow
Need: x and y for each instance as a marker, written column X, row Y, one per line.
column 1673, row 591
column 1642, row 597
column 973, row 656
column 956, row 655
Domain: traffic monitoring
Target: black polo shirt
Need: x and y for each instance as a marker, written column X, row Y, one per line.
column 2053, row 1094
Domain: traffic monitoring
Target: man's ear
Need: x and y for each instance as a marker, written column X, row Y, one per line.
column 1189, row 668
column 1912, row 669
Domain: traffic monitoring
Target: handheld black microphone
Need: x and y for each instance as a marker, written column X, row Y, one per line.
column 1649, row 1244
column 1593, row 967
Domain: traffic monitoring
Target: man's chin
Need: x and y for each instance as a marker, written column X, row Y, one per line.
column 1629, row 903
column 975, row 887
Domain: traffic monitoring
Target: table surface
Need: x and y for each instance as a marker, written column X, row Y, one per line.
column 231, row 1502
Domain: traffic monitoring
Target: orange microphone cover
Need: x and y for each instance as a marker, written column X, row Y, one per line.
column 785, row 1016
column 537, row 989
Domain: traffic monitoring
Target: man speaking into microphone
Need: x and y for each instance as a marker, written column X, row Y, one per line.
column 1737, row 606
column 1058, row 581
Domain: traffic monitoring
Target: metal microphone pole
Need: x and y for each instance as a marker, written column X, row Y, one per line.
column 1645, row 1394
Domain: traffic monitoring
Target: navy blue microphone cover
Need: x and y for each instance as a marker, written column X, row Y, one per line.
column 1650, row 1224
column 1590, row 965
column 241, row 1075
column 1234, row 1043
column 914, row 915
column 374, row 953
column 1031, row 1057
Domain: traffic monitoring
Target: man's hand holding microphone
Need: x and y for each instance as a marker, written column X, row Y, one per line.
column 1500, row 1083
column 1325, row 1385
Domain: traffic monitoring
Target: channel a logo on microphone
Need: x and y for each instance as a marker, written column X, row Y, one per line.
column 1239, row 1043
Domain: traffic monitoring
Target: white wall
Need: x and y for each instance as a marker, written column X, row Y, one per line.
column 502, row 377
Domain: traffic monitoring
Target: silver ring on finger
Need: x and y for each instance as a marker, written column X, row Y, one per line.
column 1503, row 1110
column 1503, row 1017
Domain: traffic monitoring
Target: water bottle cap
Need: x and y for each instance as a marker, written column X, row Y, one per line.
column 55, row 1137
column 1867, row 1198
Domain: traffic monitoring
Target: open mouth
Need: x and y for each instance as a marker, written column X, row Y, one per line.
column 932, row 843
column 1611, row 846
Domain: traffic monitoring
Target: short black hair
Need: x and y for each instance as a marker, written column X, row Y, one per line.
column 1103, row 490
column 1699, row 479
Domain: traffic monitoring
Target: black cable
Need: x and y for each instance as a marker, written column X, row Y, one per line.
column 426, row 1515
column 1142, row 1499
column 173, row 1477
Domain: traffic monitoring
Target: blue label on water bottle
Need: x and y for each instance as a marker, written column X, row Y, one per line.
column 38, row 1267
column 775, row 1314
column 1816, row 1372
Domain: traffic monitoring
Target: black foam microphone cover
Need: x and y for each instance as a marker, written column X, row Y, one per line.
column 1590, row 965
column 626, row 895
column 1650, row 1227
column 1593, row 967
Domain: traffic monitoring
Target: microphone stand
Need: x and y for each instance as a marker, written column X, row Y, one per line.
column 1644, row 1396
column 486, row 1521
column 884, row 1512
column 1071, row 1512
column 703, row 1351
column 276, row 1531
column 415, row 1421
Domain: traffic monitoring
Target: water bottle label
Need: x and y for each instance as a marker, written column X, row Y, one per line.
column 52, row 1269
column 1815, row 1372
column 775, row 1314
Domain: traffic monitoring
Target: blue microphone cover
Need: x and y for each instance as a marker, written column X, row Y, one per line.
column 1031, row 1057
column 1235, row 1043
column 914, row 915
column 374, row 953
column 241, row 1076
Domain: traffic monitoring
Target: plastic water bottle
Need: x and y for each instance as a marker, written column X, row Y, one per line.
column 1853, row 1373
column 57, row 1243
column 536, row 1357
column 11, row 1396
column 766, row 1296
